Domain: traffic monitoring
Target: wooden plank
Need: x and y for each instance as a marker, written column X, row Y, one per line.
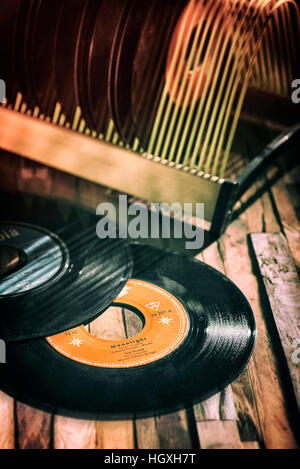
column 106, row 164
column 219, row 435
column 282, row 285
column 250, row 392
column 33, row 428
column 115, row 434
column 289, row 219
column 265, row 396
column 74, row 433
column 218, row 407
column 173, row 431
column 146, row 433
column 7, row 426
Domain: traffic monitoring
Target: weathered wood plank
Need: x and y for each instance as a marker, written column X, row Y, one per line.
column 282, row 285
column 74, row 433
column 115, row 434
column 219, row 435
column 218, row 407
column 173, row 431
column 289, row 219
column 272, row 424
column 147, row 435
column 33, row 428
column 255, row 219
column 109, row 326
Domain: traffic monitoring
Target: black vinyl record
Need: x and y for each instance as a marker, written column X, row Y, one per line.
column 138, row 64
column 93, row 58
column 58, row 273
column 41, row 47
column 198, row 335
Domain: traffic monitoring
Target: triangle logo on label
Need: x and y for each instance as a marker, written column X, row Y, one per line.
column 154, row 305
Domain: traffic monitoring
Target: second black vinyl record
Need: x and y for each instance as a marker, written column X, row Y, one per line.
column 61, row 274
column 198, row 335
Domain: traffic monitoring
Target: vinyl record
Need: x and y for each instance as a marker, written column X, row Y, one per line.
column 24, row 19
column 198, row 335
column 138, row 63
column 41, row 46
column 93, row 63
column 55, row 272
column 84, row 51
column 68, row 36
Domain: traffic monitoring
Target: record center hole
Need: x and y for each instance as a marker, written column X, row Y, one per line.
column 117, row 323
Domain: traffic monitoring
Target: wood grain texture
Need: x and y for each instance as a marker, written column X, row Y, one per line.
column 289, row 220
column 282, row 285
column 173, row 431
column 219, row 435
column 147, row 435
column 33, row 428
column 72, row 433
column 218, row 407
column 115, row 434
column 265, row 397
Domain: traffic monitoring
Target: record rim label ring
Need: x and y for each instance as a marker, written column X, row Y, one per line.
column 166, row 327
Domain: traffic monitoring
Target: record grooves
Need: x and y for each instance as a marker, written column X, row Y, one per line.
column 70, row 275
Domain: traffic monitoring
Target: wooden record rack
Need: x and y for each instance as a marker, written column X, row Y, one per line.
column 106, row 96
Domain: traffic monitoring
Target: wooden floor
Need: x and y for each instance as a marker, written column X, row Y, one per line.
column 256, row 411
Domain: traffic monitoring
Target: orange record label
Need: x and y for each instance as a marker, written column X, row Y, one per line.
column 166, row 325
